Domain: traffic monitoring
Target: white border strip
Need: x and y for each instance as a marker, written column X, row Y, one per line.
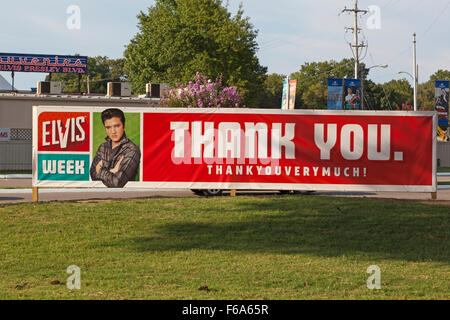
column 16, row 176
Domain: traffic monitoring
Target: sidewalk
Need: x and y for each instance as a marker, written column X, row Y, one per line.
column 15, row 183
column 19, row 190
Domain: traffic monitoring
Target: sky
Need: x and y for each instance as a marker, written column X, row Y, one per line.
column 290, row 32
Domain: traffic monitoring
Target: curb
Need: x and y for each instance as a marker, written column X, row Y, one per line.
column 16, row 176
column 443, row 174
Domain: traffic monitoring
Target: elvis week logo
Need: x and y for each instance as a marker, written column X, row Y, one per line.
column 60, row 134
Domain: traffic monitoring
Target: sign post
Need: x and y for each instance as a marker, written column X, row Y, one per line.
column 35, row 194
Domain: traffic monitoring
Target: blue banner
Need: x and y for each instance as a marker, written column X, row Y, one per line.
column 441, row 101
column 335, row 89
column 43, row 63
column 352, row 94
column 285, row 98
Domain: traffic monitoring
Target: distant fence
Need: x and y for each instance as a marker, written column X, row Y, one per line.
column 443, row 154
column 16, row 154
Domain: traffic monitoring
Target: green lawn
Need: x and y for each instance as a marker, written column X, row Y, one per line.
column 15, row 171
column 276, row 247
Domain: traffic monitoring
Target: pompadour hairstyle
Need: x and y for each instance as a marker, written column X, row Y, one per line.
column 111, row 113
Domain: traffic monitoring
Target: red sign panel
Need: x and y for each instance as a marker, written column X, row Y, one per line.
column 309, row 149
column 63, row 131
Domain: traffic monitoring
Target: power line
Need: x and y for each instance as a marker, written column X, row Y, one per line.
column 387, row 5
column 356, row 46
column 437, row 18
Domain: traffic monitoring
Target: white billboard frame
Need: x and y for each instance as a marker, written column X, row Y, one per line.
column 238, row 186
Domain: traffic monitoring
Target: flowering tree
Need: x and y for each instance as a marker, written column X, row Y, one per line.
column 407, row 107
column 202, row 93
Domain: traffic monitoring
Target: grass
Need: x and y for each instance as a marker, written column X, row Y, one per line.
column 443, row 170
column 277, row 247
column 15, row 172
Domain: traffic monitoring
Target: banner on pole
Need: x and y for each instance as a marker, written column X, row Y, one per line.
column 441, row 101
column 234, row 149
column 285, row 98
column 335, row 89
column 292, row 93
column 352, row 93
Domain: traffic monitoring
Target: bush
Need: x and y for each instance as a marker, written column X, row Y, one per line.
column 202, row 93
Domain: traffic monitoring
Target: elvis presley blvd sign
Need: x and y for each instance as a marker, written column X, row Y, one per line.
column 234, row 149
column 43, row 63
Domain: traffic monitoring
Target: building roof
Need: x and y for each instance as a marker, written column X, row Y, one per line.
column 4, row 85
column 76, row 98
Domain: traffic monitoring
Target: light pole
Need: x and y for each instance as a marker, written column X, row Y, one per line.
column 409, row 74
column 384, row 66
column 414, row 89
column 416, row 82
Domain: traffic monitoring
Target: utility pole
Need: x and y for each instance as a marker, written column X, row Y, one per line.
column 415, row 68
column 356, row 45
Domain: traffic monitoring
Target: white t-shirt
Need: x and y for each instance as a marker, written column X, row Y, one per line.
column 349, row 97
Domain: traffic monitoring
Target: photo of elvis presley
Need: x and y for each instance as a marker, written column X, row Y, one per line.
column 117, row 159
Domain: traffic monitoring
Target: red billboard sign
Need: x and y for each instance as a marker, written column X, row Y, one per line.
column 274, row 149
column 68, row 131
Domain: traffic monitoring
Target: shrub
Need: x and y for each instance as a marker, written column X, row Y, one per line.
column 202, row 93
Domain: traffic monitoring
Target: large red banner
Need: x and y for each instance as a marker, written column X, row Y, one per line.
column 309, row 149
column 235, row 149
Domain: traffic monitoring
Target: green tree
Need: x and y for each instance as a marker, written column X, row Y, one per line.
column 375, row 97
column 101, row 70
column 271, row 95
column 315, row 97
column 398, row 92
column 177, row 38
column 426, row 90
column 312, row 81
